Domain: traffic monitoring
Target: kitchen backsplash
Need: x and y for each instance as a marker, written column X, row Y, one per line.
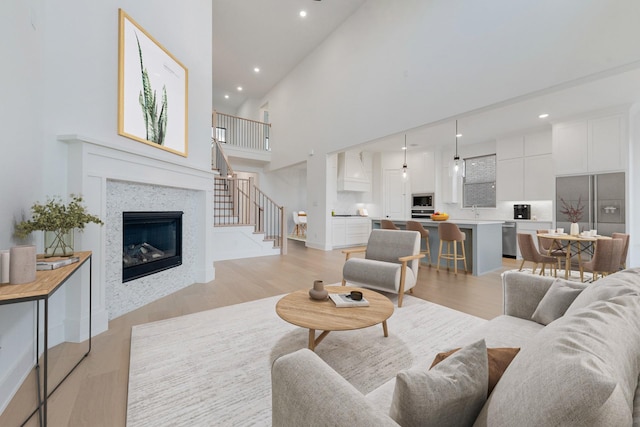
column 540, row 210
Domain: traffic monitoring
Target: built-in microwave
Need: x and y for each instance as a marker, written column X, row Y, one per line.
column 422, row 205
column 422, row 201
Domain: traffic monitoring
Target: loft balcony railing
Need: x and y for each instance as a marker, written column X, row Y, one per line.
column 241, row 133
column 237, row 201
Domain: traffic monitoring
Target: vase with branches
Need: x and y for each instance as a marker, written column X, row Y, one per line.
column 573, row 213
column 58, row 221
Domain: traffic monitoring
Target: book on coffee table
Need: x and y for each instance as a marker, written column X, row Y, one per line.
column 344, row 300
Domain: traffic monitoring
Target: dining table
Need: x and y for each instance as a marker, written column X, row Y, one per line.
column 579, row 242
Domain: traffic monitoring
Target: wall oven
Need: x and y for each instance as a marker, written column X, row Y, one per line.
column 422, row 205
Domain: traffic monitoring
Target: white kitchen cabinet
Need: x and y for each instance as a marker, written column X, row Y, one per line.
column 606, row 144
column 422, row 173
column 525, row 168
column 510, row 148
column 539, row 181
column 536, row 144
column 590, row 145
column 338, row 232
column 510, row 179
column 350, row 231
column 531, row 227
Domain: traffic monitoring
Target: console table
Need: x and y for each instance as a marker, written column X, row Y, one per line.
column 46, row 284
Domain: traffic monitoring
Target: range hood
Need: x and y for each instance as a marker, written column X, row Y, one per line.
column 351, row 173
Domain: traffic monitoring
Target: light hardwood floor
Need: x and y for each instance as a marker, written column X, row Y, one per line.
column 96, row 393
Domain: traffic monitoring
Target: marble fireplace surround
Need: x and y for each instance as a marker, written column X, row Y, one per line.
column 113, row 180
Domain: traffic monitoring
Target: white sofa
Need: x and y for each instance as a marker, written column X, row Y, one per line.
column 575, row 368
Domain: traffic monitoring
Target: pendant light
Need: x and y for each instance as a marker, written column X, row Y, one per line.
column 456, row 158
column 404, row 166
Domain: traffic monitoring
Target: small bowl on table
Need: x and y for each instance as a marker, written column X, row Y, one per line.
column 440, row 217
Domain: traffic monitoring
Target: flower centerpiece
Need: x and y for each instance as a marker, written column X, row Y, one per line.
column 573, row 214
column 58, row 221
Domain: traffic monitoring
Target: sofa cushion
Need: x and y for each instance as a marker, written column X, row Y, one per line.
column 451, row 394
column 556, row 301
column 377, row 274
column 502, row 331
column 621, row 283
column 498, row 361
column 580, row 370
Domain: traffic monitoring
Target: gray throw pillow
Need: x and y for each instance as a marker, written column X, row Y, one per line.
column 556, row 301
column 450, row 394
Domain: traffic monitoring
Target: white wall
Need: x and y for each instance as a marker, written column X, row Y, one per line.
column 60, row 77
column 397, row 65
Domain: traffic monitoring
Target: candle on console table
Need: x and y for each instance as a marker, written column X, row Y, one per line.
column 4, row 266
column 22, row 264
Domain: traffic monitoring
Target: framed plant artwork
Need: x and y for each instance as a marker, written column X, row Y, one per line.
column 152, row 90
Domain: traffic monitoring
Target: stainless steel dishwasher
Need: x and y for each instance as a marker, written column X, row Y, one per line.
column 509, row 239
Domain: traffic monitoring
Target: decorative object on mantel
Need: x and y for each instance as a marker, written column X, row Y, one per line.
column 573, row 214
column 58, row 221
column 55, row 262
column 318, row 292
column 4, row 266
column 152, row 90
column 22, row 264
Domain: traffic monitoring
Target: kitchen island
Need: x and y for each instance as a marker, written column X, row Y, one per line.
column 483, row 245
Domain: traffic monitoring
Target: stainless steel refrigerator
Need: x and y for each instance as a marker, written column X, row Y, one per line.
column 602, row 197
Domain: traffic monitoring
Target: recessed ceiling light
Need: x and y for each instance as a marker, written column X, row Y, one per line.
column 303, row 13
column 404, row 148
column 543, row 116
column 256, row 69
column 458, row 135
column 239, row 88
column 226, row 97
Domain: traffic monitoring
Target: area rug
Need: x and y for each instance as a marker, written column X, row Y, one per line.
column 214, row 367
column 574, row 275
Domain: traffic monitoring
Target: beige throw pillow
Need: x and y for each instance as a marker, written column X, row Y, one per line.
column 450, row 394
column 556, row 301
column 498, row 360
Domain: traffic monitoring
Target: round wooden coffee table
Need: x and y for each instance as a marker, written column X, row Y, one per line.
column 299, row 309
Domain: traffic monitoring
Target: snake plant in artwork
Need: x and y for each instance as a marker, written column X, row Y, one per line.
column 156, row 124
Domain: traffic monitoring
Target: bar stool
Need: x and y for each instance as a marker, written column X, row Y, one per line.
column 450, row 233
column 424, row 233
column 385, row 224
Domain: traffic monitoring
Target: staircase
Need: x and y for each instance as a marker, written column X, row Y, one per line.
column 247, row 223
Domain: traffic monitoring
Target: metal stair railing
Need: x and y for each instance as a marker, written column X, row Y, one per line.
column 237, row 201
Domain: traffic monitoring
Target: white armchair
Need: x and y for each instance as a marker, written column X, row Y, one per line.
column 390, row 263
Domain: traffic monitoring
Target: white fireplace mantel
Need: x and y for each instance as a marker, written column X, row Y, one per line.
column 93, row 163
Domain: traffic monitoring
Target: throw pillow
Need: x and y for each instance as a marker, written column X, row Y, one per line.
column 498, row 359
column 581, row 370
column 556, row 301
column 450, row 394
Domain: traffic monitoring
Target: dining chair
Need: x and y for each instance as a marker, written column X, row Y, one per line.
column 625, row 247
column 302, row 218
column 605, row 260
column 530, row 253
column 551, row 247
column 424, row 234
column 385, row 224
column 450, row 234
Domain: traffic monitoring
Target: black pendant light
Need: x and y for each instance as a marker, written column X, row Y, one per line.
column 456, row 158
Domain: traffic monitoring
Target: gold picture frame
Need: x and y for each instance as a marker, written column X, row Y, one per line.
column 152, row 90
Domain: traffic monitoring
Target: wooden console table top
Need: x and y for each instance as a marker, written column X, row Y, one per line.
column 46, row 283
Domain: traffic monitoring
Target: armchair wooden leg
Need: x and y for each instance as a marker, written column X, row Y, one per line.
column 403, row 275
column 521, row 265
column 344, row 282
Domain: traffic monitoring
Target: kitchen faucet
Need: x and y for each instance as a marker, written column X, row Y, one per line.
column 475, row 211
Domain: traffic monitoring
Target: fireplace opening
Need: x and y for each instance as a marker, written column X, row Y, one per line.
column 152, row 242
